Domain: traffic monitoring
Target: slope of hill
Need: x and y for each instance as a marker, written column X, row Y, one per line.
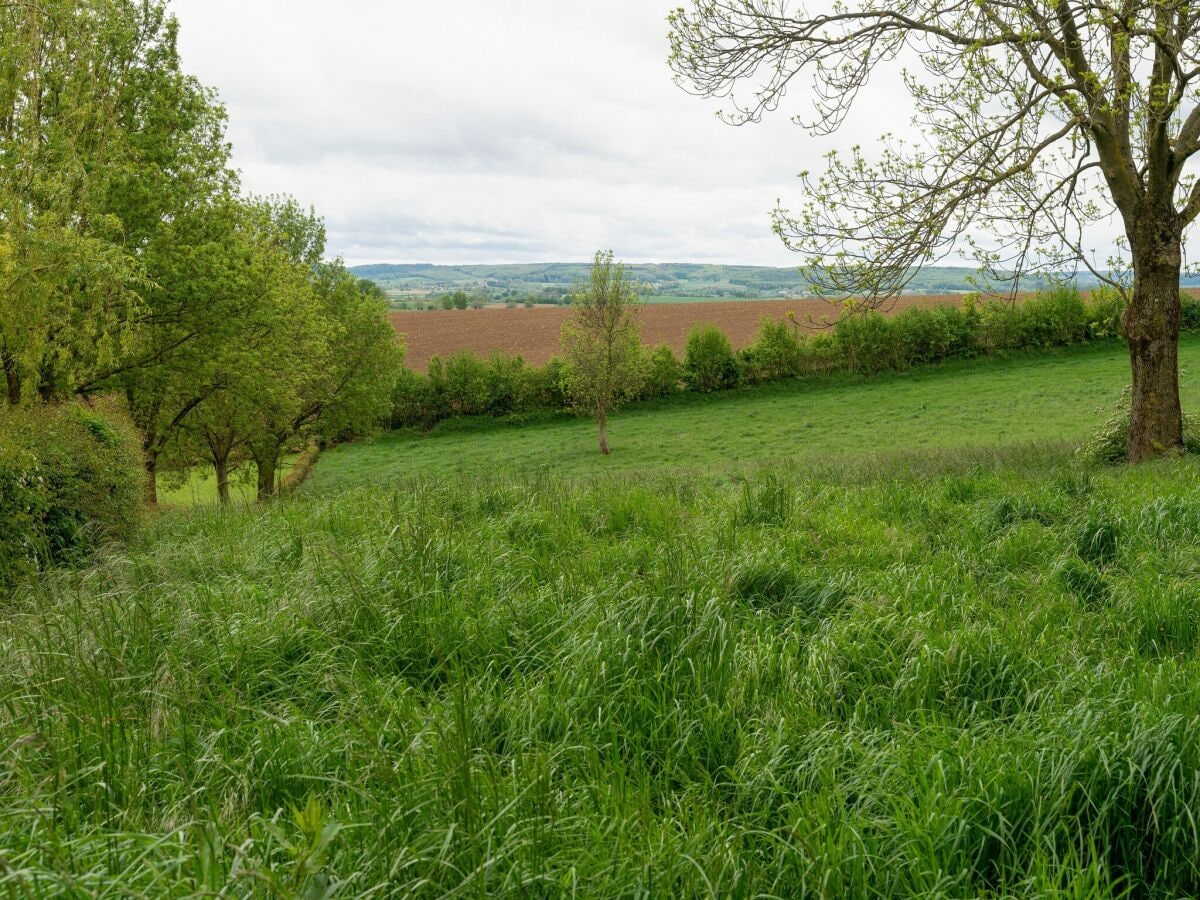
column 1060, row 395
column 978, row 681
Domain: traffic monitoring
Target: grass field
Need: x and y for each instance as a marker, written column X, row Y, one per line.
column 883, row 638
column 978, row 679
column 1048, row 396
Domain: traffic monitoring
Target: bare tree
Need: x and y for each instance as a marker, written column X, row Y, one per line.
column 602, row 343
column 1034, row 120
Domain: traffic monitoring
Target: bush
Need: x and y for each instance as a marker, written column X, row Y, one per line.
column 71, row 479
column 709, row 363
column 1109, row 443
column 866, row 343
column 1053, row 318
column 932, row 335
column 664, row 374
column 775, row 353
column 1105, row 309
column 1191, row 312
column 414, row 404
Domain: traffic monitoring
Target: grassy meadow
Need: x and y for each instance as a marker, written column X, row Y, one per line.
column 969, row 674
column 1055, row 395
column 851, row 638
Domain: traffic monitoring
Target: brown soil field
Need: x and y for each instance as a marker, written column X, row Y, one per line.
column 533, row 333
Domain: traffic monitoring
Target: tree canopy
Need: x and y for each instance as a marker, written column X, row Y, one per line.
column 130, row 263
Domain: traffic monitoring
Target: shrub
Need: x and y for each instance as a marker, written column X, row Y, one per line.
column 413, row 402
column 664, row 373
column 540, row 387
column 932, row 335
column 1105, row 308
column 1109, row 443
column 71, row 478
column 774, row 354
column 1191, row 312
column 866, row 343
column 1052, row 318
column 709, row 361
column 818, row 354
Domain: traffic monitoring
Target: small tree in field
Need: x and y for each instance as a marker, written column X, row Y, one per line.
column 602, row 343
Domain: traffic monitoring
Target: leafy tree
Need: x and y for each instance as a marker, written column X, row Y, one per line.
column 602, row 343
column 205, row 310
column 119, row 141
column 345, row 354
column 1037, row 120
column 66, row 300
column 282, row 348
column 460, row 300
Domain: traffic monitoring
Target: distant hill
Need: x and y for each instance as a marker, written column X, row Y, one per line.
column 664, row 279
column 548, row 282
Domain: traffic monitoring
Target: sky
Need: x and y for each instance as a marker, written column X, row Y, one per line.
column 496, row 131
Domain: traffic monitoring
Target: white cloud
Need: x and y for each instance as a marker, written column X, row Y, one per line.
column 501, row 130
column 486, row 131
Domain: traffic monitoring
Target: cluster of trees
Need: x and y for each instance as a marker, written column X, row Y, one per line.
column 132, row 264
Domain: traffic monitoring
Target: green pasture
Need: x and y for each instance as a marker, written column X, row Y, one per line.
column 1049, row 396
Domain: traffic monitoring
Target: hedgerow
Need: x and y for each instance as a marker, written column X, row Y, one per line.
column 464, row 385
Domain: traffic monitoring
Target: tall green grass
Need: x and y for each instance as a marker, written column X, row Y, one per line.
column 973, row 674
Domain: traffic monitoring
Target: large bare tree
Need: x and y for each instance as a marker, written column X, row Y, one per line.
column 1034, row 123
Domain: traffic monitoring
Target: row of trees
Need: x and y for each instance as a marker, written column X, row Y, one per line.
column 131, row 264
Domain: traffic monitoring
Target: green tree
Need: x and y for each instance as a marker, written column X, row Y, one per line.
column 210, row 281
column 67, row 298
column 1037, row 120
column 119, row 141
column 344, row 356
column 601, row 343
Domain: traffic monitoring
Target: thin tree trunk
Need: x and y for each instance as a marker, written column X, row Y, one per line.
column 221, row 467
column 1153, row 323
column 604, row 433
column 12, row 379
column 268, row 465
column 152, row 477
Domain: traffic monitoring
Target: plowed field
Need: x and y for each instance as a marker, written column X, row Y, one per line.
column 533, row 333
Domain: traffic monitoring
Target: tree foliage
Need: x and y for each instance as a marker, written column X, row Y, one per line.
column 130, row 264
column 602, row 343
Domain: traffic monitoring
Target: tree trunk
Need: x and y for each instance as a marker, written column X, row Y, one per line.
column 152, row 477
column 12, row 380
column 1153, row 323
column 604, row 433
column 221, row 467
column 267, row 465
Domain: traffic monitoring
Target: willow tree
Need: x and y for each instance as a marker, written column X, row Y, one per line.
column 1033, row 123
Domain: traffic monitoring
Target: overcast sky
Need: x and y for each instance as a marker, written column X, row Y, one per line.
column 494, row 130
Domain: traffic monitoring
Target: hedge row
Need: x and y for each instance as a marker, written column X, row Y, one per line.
column 71, row 478
column 465, row 385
